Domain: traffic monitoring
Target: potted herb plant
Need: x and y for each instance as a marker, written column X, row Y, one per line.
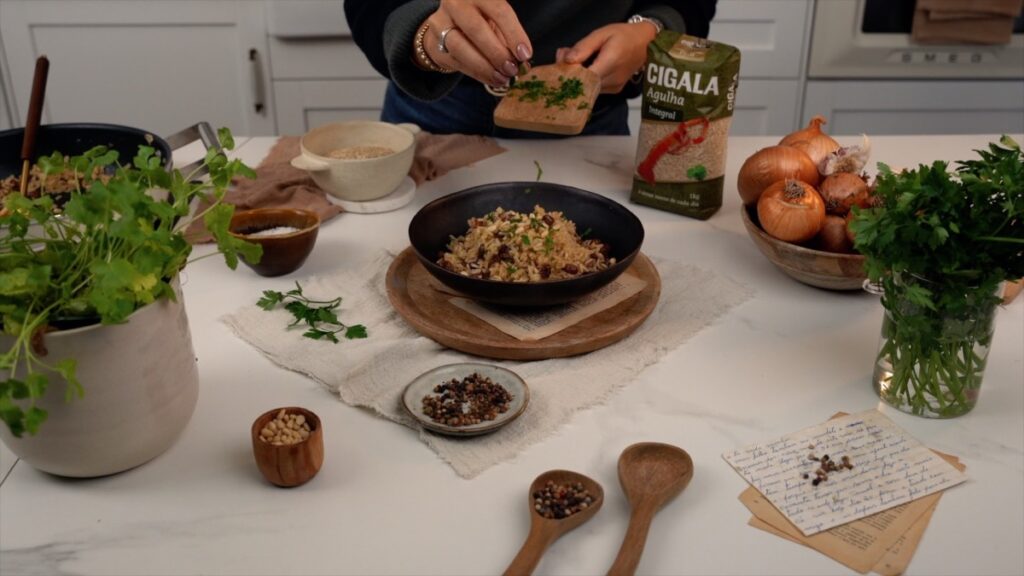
column 940, row 245
column 98, row 367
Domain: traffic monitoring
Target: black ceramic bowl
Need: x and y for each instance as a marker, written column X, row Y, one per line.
column 607, row 220
column 73, row 139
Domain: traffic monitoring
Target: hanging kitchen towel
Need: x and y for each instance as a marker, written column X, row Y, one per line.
column 438, row 154
column 373, row 372
column 965, row 21
column 277, row 185
column 280, row 185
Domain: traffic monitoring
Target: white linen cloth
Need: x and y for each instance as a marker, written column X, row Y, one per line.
column 374, row 372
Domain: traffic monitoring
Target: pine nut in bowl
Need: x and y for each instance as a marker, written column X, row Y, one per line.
column 287, row 236
column 288, row 444
column 360, row 160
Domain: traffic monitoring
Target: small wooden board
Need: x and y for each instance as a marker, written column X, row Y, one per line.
column 424, row 302
column 537, row 116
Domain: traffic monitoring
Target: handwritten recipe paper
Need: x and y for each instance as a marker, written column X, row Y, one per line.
column 889, row 468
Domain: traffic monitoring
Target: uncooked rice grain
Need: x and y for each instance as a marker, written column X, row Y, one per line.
column 359, row 152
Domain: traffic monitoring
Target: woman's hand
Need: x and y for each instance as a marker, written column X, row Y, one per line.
column 486, row 42
column 619, row 51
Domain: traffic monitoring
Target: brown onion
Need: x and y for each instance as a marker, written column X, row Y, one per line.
column 774, row 164
column 833, row 236
column 812, row 141
column 842, row 191
column 791, row 210
column 849, row 232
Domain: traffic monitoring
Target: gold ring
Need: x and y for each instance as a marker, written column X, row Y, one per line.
column 442, row 42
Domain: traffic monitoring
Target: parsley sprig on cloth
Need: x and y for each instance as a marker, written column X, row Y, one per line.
column 320, row 317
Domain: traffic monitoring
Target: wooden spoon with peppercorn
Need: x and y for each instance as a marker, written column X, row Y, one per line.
column 651, row 475
column 559, row 500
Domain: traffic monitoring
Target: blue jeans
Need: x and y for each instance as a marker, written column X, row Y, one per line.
column 469, row 109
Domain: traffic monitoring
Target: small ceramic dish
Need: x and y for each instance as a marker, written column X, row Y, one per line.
column 423, row 385
column 357, row 179
column 282, row 253
column 289, row 465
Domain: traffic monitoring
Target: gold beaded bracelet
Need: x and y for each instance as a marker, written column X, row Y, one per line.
column 423, row 60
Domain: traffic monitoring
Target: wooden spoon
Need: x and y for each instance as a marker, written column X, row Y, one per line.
column 544, row 531
column 651, row 475
column 35, row 114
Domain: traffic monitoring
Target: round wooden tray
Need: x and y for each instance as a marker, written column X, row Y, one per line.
column 424, row 302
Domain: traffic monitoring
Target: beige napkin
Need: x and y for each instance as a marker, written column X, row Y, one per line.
column 373, row 372
column 280, row 185
column 964, row 21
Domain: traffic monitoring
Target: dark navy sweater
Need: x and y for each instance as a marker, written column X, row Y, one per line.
column 385, row 29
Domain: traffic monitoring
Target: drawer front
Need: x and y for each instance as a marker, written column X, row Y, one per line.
column 303, row 105
column 769, row 33
column 307, row 19
column 321, row 58
column 919, row 107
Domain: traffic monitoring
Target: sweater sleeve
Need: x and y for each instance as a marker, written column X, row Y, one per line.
column 385, row 31
column 690, row 16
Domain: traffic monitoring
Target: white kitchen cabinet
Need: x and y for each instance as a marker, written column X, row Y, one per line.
column 771, row 35
column 161, row 65
column 306, row 104
column 319, row 73
column 5, row 119
column 917, row 107
column 6, row 115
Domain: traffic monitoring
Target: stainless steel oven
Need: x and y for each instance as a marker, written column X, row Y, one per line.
column 872, row 39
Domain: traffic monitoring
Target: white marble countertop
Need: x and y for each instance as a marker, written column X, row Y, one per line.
column 385, row 504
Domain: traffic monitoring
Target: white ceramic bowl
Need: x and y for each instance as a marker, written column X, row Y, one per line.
column 358, row 180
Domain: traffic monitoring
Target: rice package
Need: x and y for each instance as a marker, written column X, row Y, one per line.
column 688, row 100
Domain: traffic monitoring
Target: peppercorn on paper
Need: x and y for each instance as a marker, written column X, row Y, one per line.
column 883, row 543
column 888, row 468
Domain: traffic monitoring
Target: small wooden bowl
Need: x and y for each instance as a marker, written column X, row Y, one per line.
column 829, row 270
column 291, row 464
column 282, row 253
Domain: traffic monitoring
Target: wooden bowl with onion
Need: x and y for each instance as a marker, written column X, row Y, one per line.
column 829, row 270
column 797, row 197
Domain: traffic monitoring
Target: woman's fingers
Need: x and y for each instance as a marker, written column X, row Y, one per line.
column 586, row 47
column 471, row 24
column 608, row 66
column 618, row 51
column 502, row 15
column 468, row 60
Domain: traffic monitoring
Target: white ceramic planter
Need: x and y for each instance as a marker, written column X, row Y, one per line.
column 141, row 384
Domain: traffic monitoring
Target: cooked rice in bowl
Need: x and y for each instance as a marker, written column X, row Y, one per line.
column 510, row 246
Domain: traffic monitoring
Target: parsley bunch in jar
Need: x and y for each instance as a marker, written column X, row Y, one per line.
column 940, row 245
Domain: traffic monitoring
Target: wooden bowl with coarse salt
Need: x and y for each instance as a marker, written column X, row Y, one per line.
column 288, row 444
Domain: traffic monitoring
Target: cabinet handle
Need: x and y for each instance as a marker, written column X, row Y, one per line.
column 257, row 81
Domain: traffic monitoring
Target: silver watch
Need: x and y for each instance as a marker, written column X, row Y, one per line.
column 637, row 18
